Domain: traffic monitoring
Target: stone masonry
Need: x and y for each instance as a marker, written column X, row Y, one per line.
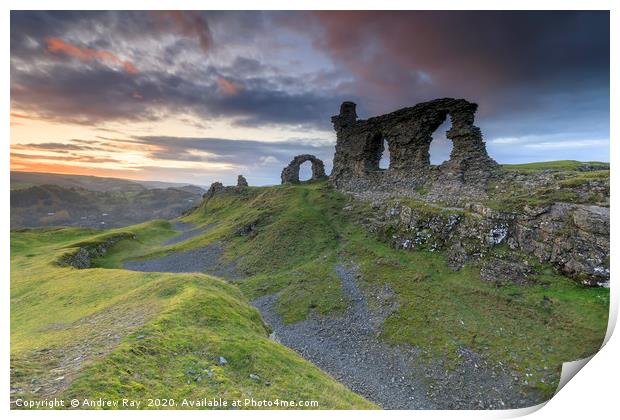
column 408, row 133
column 290, row 174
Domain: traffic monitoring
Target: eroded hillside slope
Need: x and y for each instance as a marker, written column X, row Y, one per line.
column 91, row 333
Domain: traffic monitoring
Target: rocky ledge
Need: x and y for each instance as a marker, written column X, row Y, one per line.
column 82, row 258
column 573, row 238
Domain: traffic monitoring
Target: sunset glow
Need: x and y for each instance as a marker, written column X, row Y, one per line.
column 203, row 96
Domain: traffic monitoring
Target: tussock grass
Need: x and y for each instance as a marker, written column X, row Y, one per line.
column 114, row 333
column 286, row 240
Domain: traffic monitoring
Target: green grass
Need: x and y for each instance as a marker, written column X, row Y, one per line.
column 303, row 231
column 114, row 333
column 298, row 233
column 564, row 184
column 441, row 310
column 557, row 165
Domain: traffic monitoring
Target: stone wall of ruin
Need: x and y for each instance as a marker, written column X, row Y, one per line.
column 408, row 133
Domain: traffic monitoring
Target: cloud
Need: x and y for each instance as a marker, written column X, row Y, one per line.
column 86, row 159
column 533, row 74
column 187, row 23
column 53, row 146
column 268, row 160
column 228, row 88
column 56, row 45
column 97, row 94
column 236, row 152
column 209, row 159
column 217, row 82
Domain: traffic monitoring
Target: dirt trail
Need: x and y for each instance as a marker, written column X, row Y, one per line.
column 347, row 347
column 207, row 259
column 395, row 377
column 187, row 231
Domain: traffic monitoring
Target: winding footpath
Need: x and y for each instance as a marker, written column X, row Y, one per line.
column 348, row 348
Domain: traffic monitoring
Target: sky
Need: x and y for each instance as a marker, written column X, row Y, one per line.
column 202, row 96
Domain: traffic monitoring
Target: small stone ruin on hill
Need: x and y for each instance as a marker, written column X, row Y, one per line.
column 290, row 174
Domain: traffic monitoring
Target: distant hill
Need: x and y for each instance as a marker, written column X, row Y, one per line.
column 20, row 180
column 185, row 187
column 56, row 205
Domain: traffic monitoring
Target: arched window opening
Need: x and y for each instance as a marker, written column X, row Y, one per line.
column 305, row 171
column 441, row 146
column 384, row 162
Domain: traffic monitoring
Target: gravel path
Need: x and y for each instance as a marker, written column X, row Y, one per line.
column 187, row 232
column 395, row 377
column 348, row 349
column 202, row 260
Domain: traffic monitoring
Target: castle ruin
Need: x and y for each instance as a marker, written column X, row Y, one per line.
column 408, row 133
column 290, row 174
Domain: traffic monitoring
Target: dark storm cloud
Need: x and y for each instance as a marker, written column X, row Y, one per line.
column 98, row 93
column 235, row 152
column 407, row 56
column 532, row 73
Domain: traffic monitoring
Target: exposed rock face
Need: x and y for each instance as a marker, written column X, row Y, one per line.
column 574, row 238
column 408, row 133
column 218, row 187
column 241, row 181
column 82, row 258
column 290, row 174
column 213, row 189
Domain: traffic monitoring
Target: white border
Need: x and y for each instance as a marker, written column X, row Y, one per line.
column 591, row 395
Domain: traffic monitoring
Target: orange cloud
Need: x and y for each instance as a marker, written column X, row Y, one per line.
column 17, row 115
column 44, row 167
column 228, row 88
column 57, row 45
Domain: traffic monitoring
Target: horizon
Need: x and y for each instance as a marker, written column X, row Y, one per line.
column 197, row 97
column 305, row 173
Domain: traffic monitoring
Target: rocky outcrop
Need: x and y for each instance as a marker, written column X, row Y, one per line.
column 290, row 174
column 218, row 187
column 573, row 238
column 408, row 133
column 82, row 258
column 213, row 189
column 241, row 181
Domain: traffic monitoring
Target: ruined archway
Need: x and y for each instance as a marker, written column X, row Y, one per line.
column 305, row 171
column 373, row 150
column 409, row 133
column 440, row 146
column 290, row 174
column 384, row 161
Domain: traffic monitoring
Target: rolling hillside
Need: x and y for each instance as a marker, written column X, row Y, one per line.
column 101, row 333
column 53, row 205
column 131, row 312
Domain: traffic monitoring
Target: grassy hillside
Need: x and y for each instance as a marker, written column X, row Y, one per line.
column 21, row 180
column 556, row 165
column 543, row 183
column 297, row 234
column 119, row 334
